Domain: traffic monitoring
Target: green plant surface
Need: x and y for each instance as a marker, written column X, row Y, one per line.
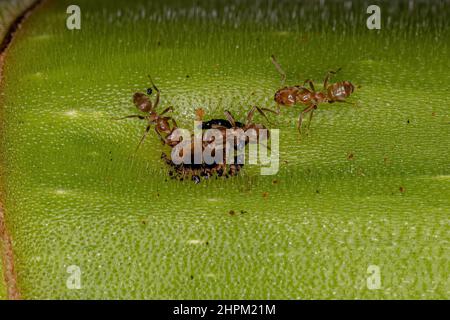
column 369, row 184
column 9, row 11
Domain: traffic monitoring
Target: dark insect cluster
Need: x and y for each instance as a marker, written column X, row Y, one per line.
column 197, row 172
column 164, row 127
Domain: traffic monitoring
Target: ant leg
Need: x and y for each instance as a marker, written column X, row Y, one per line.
column 166, row 110
column 310, row 117
column 311, row 84
column 157, row 93
column 164, row 141
column 279, row 69
column 265, row 145
column 173, row 122
column 132, row 116
column 278, row 110
column 300, row 118
column 261, row 112
column 230, row 118
column 328, row 76
column 250, row 115
column 171, row 119
column 345, row 101
column 147, row 129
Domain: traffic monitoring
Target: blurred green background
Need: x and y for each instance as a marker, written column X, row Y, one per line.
column 368, row 186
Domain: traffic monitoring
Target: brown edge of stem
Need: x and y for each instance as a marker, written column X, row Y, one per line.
column 6, row 242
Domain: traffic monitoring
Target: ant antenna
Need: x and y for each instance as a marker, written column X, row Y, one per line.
column 279, row 69
column 157, row 93
column 230, row 118
column 265, row 146
column 153, row 84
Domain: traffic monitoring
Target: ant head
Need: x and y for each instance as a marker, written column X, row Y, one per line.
column 149, row 91
column 142, row 102
column 285, row 97
column 349, row 87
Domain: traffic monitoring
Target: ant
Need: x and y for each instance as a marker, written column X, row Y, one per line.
column 231, row 123
column 217, row 123
column 290, row 96
column 162, row 124
column 248, row 125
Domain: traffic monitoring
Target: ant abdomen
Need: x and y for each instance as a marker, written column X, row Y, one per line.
column 142, row 102
column 340, row 91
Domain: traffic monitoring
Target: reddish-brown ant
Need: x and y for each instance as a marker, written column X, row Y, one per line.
column 231, row 123
column 162, row 124
column 290, row 96
column 248, row 125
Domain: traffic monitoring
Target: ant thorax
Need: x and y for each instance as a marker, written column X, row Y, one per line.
column 320, row 97
column 153, row 116
column 303, row 95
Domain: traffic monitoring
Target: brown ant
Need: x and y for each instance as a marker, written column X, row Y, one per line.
column 162, row 124
column 223, row 125
column 231, row 123
column 248, row 125
column 294, row 95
